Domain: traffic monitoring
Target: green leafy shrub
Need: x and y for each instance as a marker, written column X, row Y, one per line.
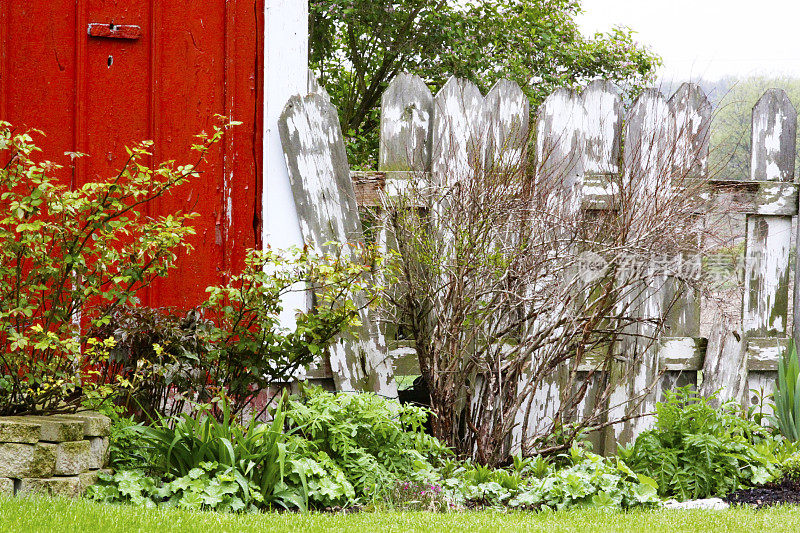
column 579, row 478
column 787, row 395
column 235, row 341
column 68, row 258
column 203, row 488
column 698, row 451
column 373, row 440
column 256, row 454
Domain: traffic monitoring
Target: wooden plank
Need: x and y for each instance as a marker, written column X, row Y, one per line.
column 507, row 115
column 773, row 138
column 602, row 128
column 326, row 205
column 766, row 300
column 756, row 197
column 649, row 140
column 763, row 353
column 725, row 364
column 458, row 132
column 406, row 119
column 560, row 141
column 682, row 354
column 692, row 114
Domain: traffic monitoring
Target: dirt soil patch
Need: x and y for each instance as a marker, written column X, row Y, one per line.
column 786, row 491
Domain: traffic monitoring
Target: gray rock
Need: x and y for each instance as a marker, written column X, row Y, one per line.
column 56, row 428
column 99, row 447
column 53, row 486
column 16, row 429
column 27, row 460
column 73, row 458
column 708, row 503
column 6, row 486
column 94, row 424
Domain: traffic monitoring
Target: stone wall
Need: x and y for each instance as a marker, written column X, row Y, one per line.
column 55, row 455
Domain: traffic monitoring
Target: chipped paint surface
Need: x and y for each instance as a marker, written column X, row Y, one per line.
column 459, row 127
column 773, row 136
column 602, row 129
column 325, row 199
column 406, row 116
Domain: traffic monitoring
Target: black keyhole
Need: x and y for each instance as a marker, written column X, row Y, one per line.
column 112, row 26
column 110, row 61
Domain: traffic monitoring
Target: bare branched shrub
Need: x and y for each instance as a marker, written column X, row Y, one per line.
column 534, row 290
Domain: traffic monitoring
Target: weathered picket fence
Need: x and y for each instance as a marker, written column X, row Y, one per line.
column 579, row 135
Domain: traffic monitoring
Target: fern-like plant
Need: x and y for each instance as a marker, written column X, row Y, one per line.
column 787, row 394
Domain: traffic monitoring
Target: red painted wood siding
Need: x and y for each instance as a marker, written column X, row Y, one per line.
column 96, row 95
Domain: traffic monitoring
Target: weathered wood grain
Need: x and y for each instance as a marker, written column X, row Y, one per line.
column 766, row 300
column 507, row 112
column 559, row 144
column 406, row 120
column 773, row 138
column 725, row 364
column 692, row 114
column 458, row 132
column 326, row 204
column 647, row 165
column 560, row 129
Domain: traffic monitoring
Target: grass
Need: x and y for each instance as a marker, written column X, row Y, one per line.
column 65, row 516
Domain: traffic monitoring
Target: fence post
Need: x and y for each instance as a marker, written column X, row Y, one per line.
column 766, row 298
column 602, row 148
column 320, row 179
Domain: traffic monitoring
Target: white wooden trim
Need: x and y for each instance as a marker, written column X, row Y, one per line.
column 285, row 74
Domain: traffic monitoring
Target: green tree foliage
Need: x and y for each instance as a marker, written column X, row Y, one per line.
column 358, row 46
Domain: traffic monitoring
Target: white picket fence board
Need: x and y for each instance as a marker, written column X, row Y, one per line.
column 765, row 310
column 320, row 179
column 458, row 132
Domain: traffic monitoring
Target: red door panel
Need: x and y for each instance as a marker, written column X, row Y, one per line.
column 192, row 60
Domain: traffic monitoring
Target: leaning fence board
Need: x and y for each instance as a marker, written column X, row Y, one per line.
column 326, row 205
column 766, row 300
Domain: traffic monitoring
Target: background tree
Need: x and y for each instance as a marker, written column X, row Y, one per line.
column 358, row 46
column 734, row 99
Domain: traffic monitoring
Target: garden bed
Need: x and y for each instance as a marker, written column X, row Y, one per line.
column 776, row 493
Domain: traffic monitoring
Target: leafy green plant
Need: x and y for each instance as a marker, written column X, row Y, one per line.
column 787, row 394
column 698, row 451
column 373, row 440
column 578, row 478
column 249, row 348
column 256, row 454
column 235, row 341
column 68, row 258
column 203, row 488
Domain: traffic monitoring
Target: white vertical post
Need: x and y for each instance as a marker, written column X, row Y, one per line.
column 285, row 74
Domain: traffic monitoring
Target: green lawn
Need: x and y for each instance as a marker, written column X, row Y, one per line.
column 64, row 516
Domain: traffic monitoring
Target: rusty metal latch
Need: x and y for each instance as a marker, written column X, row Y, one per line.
column 115, row 31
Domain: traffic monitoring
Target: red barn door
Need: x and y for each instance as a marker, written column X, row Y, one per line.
column 97, row 75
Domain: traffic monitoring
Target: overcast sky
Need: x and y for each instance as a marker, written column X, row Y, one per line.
column 708, row 38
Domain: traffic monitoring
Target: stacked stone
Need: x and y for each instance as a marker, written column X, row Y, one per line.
column 55, row 455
